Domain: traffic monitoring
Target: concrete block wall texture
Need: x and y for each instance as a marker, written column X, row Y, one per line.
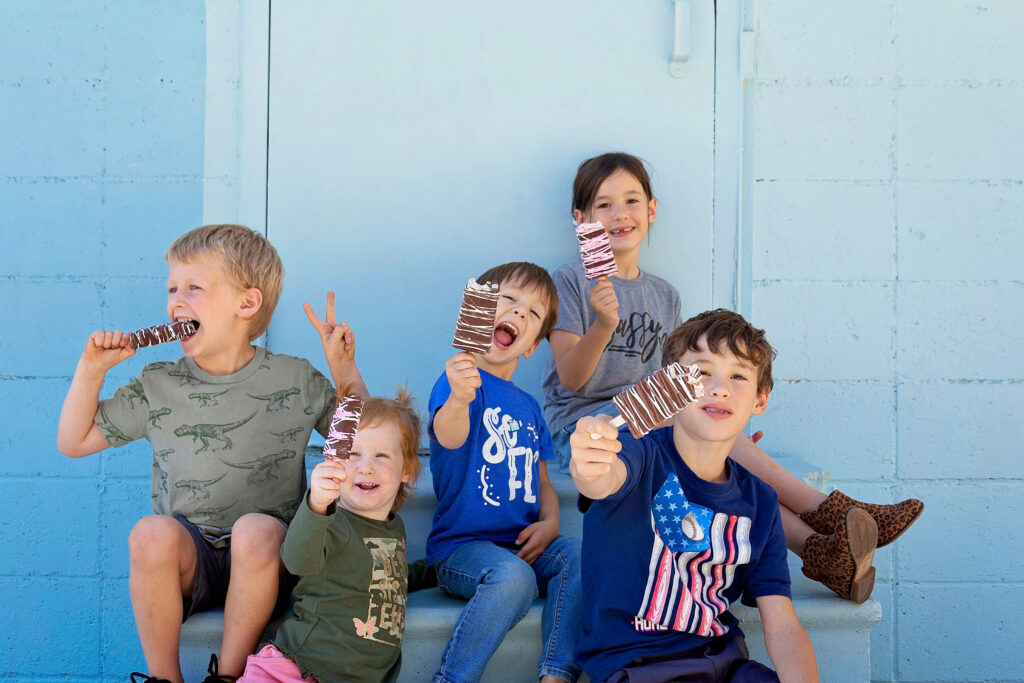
column 887, row 185
column 101, row 167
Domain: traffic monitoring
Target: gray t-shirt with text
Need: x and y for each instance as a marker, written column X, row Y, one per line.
column 648, row 312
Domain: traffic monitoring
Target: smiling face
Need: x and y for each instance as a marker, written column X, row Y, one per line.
column 521, row 312
column 375, row 470
column 625, row 210
column 198, row 290
column 730, row 397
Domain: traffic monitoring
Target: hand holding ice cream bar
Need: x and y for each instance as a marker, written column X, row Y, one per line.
column 338, row 445
column 651, row 401
column 161, row 334
column 475, row 325
column 596, row 251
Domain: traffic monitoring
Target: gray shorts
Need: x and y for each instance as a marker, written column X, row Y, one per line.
column 213, row 570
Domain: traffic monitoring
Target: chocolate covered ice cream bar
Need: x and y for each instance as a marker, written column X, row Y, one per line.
column 338, row 444
column 161, row 334
column 649, row 402
column 475, row 325
column 596, row 251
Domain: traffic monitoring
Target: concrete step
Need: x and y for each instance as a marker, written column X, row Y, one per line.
column 839, row 630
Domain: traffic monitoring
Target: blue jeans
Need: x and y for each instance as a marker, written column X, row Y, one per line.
column 501, row 588
column 561, row 437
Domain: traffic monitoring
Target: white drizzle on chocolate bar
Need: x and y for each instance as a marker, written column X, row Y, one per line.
column 338, row 444
column 651, row 401
column 596, row 251
column 475, row 325
column 161, row 334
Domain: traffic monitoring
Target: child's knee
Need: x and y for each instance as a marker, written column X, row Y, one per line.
column 515, row 581
column 156, row 538
column 257, row 539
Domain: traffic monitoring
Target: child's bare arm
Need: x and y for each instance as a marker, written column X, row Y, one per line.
column 595, row 466
column 339, row 344
column 576, row 357
column 451, row 421
column 77, row 433
column 787, row 642
column 535, row 538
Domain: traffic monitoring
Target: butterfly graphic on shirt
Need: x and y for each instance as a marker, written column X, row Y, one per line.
column 366, row 629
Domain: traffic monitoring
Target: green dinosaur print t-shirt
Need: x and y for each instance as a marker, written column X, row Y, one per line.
column 223, row 445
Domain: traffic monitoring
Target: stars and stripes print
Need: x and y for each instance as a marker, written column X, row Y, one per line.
column 685, row 587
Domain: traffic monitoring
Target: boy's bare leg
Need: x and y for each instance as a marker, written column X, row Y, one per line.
column 793, row 493
column 163, row 566
column 252, row 589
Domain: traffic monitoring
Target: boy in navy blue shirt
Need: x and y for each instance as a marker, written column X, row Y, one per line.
column 494, row 539
column 674, row 531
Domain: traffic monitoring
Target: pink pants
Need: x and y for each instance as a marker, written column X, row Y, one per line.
column 270, row 666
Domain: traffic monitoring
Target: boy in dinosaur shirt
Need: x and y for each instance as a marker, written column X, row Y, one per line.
column 228, row 423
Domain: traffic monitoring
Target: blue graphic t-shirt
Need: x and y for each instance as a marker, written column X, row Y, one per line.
column 487, row 490
column 666, row 555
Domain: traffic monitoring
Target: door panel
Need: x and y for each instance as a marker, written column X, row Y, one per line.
column 413, row 145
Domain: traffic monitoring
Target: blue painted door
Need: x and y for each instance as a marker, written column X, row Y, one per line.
column 414, row 144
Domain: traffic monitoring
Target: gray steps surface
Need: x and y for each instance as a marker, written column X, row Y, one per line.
column 839, row 630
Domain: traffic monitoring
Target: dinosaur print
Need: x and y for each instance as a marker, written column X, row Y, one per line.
column 155, row 415
column 288, row 434
column 206, row 398
column 278, row 399
column 162, row 455
column 205, row 432
column 135, row 392
column 308, row 410
column 185, row 376
column 198, row 490
column 263, row 469
column 283, row 512
column 110, row 430
column 162, row 486
column 211, row 515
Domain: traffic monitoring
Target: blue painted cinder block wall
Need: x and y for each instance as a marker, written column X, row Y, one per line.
column 887, row 222
column 101, row 164
column 887, row 195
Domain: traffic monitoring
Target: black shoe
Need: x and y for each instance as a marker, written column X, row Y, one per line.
column 215, row 677
column 146, row 678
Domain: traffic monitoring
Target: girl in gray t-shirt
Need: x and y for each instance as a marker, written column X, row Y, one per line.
column 609, row 335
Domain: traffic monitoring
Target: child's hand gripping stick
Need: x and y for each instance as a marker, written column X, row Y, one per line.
column 596, row 251
column 475, row 325
column 651, row 401
column 338, row 444
column 161, row 334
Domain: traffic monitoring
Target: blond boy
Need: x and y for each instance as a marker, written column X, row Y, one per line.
column 228, row 423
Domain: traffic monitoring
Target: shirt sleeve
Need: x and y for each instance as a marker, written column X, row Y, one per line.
column 322, row 398
column 570, row 301
column 123, row 417
column 305, row 545
column 438, row 395
column 770, row 575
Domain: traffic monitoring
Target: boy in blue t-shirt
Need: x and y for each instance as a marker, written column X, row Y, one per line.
column 675, row 531
column 494, row 539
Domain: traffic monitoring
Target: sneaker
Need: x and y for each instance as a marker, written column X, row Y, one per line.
column 137, row 677
column 216, row 677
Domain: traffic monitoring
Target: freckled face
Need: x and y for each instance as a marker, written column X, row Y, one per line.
column 374, row 471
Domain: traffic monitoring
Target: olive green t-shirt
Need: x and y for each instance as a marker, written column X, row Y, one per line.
column 349, row 612
column 223, row 445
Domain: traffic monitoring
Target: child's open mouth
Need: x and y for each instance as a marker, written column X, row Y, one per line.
column 195, row 327
column 366, row 486
column 620, row 231
column 505, row 335
column 716, row 411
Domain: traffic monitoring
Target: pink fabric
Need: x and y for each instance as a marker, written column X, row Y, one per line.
column 269, row 665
